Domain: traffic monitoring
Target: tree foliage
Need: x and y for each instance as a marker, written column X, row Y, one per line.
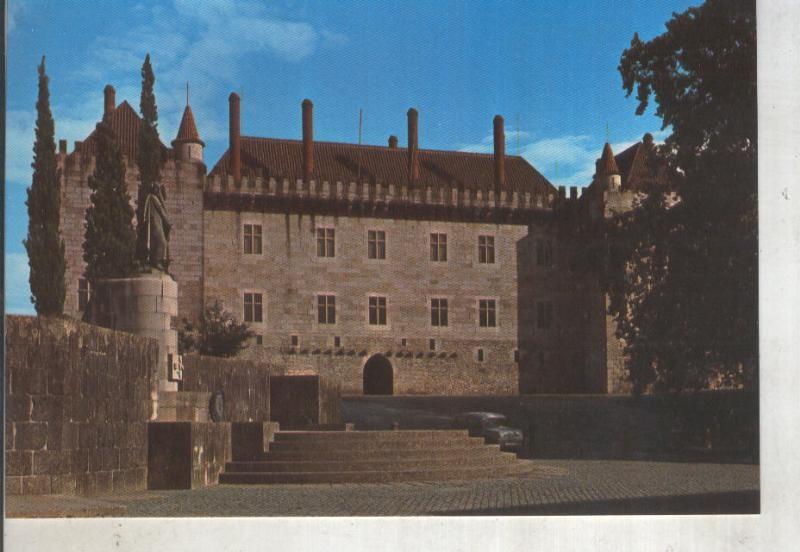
column 687, row 285
column 109, row 246
column 149, row 156
column 44, row 244
column 218, row 334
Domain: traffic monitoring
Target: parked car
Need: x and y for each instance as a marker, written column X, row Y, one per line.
column 492, row 427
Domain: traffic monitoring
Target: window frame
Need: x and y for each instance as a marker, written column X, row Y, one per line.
column 261, row 303
column 487, row 252
column 437, row 250
column 491, row 313
column 252, row 237
column 325, row 236
column 378, row 308
column 326, row 311
column 442, row 307
column 377, row 237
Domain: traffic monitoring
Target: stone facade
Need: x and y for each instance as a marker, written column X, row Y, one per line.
column 551, row 332
column 78, row 399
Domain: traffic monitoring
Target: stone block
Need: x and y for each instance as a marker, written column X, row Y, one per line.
column 30, row 380
column 13, row 485
column 136, row 479
column 80, row 460
column 9, row 436
column 36, row 484
column 117, row 481
column 63, row 484
column 51, row 462
column 19, row 462
column 30, row 435
column 103, row 483
column 110, row 459
column 18, row 407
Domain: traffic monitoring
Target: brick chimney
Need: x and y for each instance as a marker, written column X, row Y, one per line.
column 109, row 99
column 234, row 147
column 413, row 145
column 392, row 142
column 308, row 140
column 499, row 153
column 62, row 147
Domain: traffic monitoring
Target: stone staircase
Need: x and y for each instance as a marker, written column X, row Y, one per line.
column 374, row 457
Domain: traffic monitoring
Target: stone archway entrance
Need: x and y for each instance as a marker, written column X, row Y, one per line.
column 378, row 376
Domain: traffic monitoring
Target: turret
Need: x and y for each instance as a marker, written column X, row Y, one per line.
column 607, row 172
column 187, row 144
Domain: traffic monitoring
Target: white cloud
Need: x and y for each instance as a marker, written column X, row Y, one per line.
column 14, row 10
column 17, row 293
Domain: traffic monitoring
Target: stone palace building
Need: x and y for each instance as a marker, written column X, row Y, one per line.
column 389, row 269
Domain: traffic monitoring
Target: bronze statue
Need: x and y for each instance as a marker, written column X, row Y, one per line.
column 156, row 227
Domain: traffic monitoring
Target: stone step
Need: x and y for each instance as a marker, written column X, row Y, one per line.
column 325, row 445
column 359, row 436
column 377, row 476
column 452, row 454
column 385, row 464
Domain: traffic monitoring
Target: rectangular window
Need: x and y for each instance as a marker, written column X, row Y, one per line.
column 259, row 340
column 83, row 294
column 295, row 341
column 486, row 249
column 253, row 307
column 544, row 253
column 438, row 312
column 337, row 341
column 544, row 315
column 487, row 313
column 480, row 355
column 432, row 344
column 403, row 342
column 376, row 244
column 439, row 247
column 326, row 309
column 377, row 311
column 325, row 242
column 252, row 239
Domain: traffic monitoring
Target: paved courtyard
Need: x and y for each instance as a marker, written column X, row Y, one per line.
column 559, row 487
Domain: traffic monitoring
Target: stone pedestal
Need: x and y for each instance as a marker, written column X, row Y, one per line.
column 145, row 305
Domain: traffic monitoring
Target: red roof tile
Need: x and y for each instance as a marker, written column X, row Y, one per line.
column 124, row 123
column 269, row 157
column 607, row 164
column 187, row 132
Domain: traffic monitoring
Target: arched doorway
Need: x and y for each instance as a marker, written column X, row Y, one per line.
column 378, row 376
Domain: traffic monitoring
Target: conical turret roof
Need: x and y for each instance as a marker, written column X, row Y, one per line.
column 607, row 165
column 188, row 129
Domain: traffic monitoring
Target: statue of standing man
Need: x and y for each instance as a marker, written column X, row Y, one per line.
column 156, row 228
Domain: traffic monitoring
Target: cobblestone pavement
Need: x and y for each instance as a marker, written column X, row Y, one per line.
column 558, row 487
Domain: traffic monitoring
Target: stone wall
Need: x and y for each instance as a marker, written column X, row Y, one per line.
column 244, row 384
column 78, row 399
column 187, row 455
column 304, row 402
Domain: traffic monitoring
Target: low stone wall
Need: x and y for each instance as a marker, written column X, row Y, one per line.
column 415, row 372
column 78, row 399
column 244, row 384
column 186, row 455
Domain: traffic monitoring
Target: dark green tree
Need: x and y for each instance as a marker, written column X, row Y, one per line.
column 109, row 247
column 44, row 244
column 218, row 334
column 150, row 156
column 687, row 304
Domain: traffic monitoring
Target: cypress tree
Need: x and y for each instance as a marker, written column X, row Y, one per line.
column 149, row 156
column 44, row 244
column 109, row 247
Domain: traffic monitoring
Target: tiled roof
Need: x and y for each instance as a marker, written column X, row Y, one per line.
column 627, row 161
column 607, row 164
column 187, row 132
column 124, row 123
column 268, row 157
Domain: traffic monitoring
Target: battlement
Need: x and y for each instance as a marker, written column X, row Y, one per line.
column 380, row 193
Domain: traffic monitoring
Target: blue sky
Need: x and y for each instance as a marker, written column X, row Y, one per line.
column 550, row 68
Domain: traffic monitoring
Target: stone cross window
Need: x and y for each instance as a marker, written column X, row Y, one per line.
column 487, row 313
column 377, row 311
column 439, row 248
column 486, row 249
column 325, row 242
column 326, row 309
column 253, row 310
column 439, row 312
column 252, row 239
column 376, row 244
